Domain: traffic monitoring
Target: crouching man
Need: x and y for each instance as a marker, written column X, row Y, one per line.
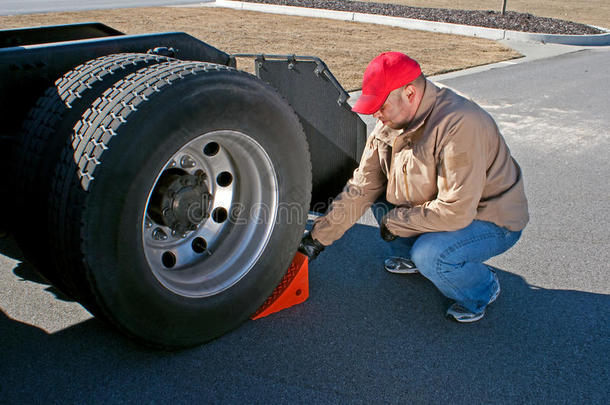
column 440, row 180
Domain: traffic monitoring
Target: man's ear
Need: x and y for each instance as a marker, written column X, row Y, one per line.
column 408, row 91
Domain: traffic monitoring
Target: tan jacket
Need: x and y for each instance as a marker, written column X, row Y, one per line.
column 450, row 166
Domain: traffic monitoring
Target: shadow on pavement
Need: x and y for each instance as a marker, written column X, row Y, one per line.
column 24, row 270
column 363, row 336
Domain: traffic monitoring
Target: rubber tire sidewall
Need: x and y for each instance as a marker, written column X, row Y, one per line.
column 112, row 237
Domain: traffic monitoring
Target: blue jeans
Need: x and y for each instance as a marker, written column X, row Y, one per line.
column 453, row 261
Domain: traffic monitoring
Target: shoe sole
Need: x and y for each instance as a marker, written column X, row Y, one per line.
column 469, row 320
column 409, row 271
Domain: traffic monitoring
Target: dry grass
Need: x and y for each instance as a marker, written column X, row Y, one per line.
column 346, row 47
column 594, row 12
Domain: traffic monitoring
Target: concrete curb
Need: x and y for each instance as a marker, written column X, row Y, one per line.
column 444, row 28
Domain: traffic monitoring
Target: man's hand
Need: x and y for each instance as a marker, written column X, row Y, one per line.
column 385, row 232
column 310, row 247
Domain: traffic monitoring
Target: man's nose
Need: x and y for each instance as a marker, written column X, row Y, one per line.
column 377, row 114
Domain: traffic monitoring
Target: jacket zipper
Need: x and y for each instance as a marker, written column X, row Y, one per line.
column 404, row 170
column 443, row 172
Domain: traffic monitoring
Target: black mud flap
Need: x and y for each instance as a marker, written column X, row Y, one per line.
column 336, row 135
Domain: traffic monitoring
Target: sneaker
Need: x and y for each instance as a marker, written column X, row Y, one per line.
column 400, row 265
column 461, row 314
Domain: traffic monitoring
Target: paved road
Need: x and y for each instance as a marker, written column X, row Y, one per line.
column 366, row 336
column 9, row 7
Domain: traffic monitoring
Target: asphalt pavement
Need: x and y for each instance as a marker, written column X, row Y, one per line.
column 367, row 336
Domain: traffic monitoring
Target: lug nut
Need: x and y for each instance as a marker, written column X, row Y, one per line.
column 187, row 162
column 159, row 234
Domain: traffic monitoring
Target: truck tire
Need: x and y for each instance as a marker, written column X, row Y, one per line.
column 45, row 133
column 181, row 201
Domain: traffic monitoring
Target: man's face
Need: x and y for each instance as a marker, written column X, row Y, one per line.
column 399, row 108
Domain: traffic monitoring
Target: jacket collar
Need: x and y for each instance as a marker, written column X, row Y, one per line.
column 388, row 135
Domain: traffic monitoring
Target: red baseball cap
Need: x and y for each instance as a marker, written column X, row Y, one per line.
column 385, row 73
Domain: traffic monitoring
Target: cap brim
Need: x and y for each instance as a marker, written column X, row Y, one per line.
column 368, row 104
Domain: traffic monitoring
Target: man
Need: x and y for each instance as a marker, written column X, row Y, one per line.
column 451, row 194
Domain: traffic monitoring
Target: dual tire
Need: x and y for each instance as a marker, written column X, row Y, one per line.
column 175, row 202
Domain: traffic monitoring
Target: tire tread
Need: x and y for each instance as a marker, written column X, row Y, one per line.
column 45, row 131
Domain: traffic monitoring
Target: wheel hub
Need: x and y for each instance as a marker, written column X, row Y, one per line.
column 210, row 213
column 182, row 202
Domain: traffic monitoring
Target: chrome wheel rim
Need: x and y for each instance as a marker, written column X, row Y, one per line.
column 210, row 213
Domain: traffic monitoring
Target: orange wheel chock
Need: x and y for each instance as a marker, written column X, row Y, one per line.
column 292, row 290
